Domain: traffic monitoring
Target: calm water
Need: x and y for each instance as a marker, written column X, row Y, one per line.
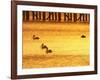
column 68, row 48
column 63, row 39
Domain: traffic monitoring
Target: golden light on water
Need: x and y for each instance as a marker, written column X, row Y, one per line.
column 64, row 39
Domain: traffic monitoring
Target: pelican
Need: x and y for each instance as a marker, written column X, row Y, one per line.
column 83, row 36
column 46, row 48
column 35, row 38
column 48, row 51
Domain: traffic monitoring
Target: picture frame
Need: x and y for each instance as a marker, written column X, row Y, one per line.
column 51, row 14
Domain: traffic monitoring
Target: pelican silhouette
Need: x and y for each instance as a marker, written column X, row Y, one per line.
column 48, row 51
column 83, row 36
column 35, row 38
column 46, row 48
